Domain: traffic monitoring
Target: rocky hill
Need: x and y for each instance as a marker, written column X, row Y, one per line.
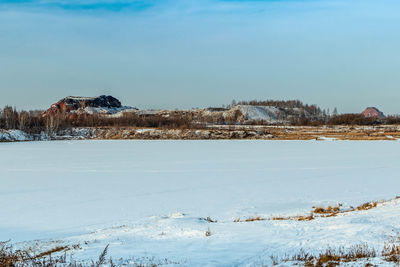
column 253, row 114
column 90, row 105
column 372, row 112
column 244, row 113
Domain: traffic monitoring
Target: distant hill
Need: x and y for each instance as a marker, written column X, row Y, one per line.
column 270, row 112
column 372, row 112
column 89, row 105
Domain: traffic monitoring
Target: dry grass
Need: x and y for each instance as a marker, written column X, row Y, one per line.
column 279, row 218
column 333, row 257
column 367, row 206
column 391, row 250
column 52, row 251
column 317, row 212
column 336, row 210
column 294, row 218
column 344, row 132
column 10, row 257
column 328, row 210
column 336, row 256
column 7, row 256
column 254, row 219
column 251, row 219
column 305, row 218
column 322, row 212
column 102, row 257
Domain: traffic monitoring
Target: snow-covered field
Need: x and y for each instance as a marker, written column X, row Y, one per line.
column 146, row 198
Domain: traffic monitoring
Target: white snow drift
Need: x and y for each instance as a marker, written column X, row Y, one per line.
column 146, row 198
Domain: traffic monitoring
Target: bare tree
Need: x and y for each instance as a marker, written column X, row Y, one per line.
column 11, row 117
column 23, row 120
column 335, row 112
column 53, row 123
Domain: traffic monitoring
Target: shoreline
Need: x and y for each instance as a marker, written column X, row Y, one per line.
column 215, row 132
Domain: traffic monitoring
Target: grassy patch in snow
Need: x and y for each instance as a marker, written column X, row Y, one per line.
column 334, row 256
column 57, row 256
column 361, row 253
column 319, row 212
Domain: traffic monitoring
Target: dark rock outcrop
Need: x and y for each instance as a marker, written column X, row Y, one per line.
column 76, row 103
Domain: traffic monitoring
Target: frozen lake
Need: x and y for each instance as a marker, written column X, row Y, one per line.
column 145, row 198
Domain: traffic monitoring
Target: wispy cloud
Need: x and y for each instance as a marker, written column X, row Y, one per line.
column 73, row 5
column 141, row 5
column 198, row 48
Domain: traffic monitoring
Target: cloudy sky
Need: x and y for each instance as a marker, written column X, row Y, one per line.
column 200, row 53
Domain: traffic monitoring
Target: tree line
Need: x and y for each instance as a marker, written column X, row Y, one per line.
column 34, row 122
column 287, row 105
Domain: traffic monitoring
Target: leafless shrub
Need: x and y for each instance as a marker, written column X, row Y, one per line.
column 10, row 257
column 208, row 232
column 391, row 249
column 102, row 257
column 208, row 219
column 250, row 219
column 274, row 260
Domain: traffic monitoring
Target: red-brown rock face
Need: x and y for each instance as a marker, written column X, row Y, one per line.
column 75, row 104
column 373, row 112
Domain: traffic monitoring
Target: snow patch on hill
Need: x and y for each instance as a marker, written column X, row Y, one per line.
column 259, row 113
column 115, row 112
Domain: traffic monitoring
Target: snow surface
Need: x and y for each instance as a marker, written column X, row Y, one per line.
column 115, row 112
column 259, row 113
column 146, row 198
column 324, row 138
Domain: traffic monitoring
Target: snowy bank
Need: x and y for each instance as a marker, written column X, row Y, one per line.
column 14, row 135
column 149, row 200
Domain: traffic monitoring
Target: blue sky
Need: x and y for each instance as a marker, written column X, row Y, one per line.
column 200, row 53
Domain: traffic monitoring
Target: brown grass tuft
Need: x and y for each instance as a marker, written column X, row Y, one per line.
column 9, row 257
column 334, row 257
column 391, row 250
column 367, row 206
column 321, row 212
column 253, row 219
column 305, row 218
column 51, row 251
column 280, row 218
column 328, row 210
